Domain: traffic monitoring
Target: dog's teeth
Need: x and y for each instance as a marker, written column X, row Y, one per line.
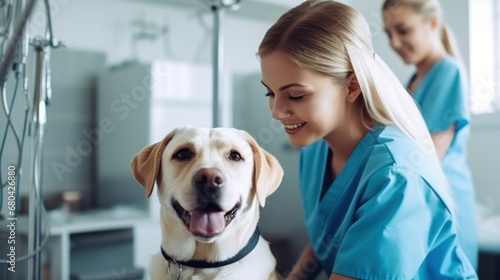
column 184, row 215
column 231, row 214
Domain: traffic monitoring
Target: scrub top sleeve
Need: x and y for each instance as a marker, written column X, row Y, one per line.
column 447, row 99
column 395, row 224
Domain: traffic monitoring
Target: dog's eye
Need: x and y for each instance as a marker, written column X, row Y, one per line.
column 234, row 155
column 183, row 154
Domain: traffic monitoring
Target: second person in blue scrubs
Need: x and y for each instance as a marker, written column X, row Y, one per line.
column 418, row 34
column 376, row 202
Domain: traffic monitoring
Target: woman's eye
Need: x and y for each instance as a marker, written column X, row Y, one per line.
column 296, row 98
column 402, row 32
column 235, row 156
column 183, row 154
column 269, row 94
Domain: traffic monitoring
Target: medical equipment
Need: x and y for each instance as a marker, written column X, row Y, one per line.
column 14, row 18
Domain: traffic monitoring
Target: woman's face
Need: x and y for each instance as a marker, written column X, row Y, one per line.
column 409, row 33
column 308, row 104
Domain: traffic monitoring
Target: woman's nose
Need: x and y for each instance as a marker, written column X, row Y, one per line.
column 279, row 109
column 395, row 42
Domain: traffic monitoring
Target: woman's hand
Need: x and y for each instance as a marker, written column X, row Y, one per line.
column 306, row 267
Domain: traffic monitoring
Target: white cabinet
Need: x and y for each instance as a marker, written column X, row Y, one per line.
column 105, row 244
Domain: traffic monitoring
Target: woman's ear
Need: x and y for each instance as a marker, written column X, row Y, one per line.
column 353, row 88
column 434, row 22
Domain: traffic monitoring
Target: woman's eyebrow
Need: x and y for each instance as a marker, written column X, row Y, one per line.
column 262, row 82
column 396, row 26
column 285, row 86
column 400, row 25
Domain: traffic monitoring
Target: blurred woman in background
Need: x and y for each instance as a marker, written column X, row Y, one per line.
column 419, row 35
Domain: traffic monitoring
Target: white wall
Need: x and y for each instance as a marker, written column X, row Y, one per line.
column 105, row 26
column 484, row 160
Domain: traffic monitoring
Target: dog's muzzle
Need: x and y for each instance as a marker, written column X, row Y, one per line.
column 208, row 218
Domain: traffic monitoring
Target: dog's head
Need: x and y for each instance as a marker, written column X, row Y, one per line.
column 207, row 178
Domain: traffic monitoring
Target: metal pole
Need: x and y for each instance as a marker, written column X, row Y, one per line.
column 496, row 45
column 218, row 65
column 39, row 121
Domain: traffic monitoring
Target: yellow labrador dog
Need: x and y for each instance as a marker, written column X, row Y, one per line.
column 210, row 184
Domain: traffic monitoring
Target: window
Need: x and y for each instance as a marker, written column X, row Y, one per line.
column 485, row 55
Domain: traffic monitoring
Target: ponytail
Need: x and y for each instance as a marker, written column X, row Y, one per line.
column 449, row 42
column 387, row 101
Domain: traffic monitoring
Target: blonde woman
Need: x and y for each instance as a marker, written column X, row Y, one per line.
column 375, row 200
column 418, row 34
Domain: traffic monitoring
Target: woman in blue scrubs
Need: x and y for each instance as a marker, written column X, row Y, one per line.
column 376, row 202
column 419, row 35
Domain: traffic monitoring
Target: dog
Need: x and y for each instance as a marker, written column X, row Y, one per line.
column 210, row 185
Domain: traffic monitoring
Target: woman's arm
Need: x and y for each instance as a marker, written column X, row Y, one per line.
column 442, row 140
column 306, row 267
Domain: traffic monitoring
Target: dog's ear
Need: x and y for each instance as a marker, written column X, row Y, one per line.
column 146, row 164
column 267, row 174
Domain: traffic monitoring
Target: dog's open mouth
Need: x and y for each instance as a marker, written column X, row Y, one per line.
column 207, row 221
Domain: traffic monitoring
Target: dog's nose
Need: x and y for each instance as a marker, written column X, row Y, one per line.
column 208, row 182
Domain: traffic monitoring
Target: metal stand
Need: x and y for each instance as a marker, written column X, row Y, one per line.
column 42, row 96
column 219, row 8
column 37, row 131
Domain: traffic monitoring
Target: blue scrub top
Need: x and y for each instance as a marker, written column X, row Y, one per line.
column 443, row 99
column 385, row 216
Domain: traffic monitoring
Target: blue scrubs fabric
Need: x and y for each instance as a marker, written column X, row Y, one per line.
column 443, row 99
column 385, row 216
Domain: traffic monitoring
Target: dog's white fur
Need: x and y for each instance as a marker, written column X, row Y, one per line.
column 248, row 181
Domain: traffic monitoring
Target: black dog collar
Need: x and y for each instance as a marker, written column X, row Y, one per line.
column 254, row 239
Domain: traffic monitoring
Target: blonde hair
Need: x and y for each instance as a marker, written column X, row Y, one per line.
column 428, row 9
column 333, row 39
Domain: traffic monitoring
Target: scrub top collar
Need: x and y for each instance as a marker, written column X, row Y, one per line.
column 430, row 73
column 336, row 187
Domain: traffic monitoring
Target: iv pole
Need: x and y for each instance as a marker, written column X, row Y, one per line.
column 42, row 96
column 219, row 8
column 38, row 129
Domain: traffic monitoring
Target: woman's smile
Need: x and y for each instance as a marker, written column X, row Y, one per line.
column 293, row 128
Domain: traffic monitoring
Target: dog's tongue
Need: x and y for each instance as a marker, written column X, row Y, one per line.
column 207, row 223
